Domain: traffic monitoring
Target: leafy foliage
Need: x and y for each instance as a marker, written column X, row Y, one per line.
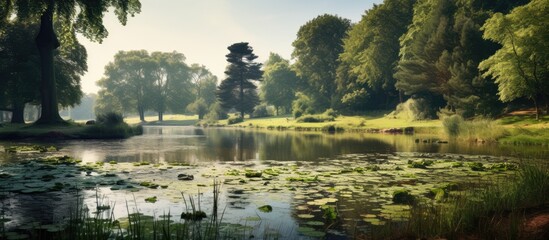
column 316, row 50
column 279, row 83
column 302, row 105
column 137, row 80
column 20, row 68
column 85, row 17
column 521, row 66
column 365, row 73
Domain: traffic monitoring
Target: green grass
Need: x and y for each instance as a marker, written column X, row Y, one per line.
column 348, row 123
column 527, row 136
column 476, row 130
column 169, row 119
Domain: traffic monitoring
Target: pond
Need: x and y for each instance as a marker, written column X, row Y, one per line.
column 309, row 184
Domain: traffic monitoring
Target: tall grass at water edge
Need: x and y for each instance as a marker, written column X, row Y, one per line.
column 495, row 212
column 477, row 130
column 84, row 223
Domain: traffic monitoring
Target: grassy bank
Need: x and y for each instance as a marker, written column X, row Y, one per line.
column 68, row 131
column 371, row 123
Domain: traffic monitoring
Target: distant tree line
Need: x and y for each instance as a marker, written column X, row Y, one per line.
column 465, row 57
column 136, row 82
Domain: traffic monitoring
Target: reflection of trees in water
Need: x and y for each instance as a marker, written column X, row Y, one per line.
column 231, row 145
column 194, row 145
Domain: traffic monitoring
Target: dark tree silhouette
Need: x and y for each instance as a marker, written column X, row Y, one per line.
column 84, row 16
column 237, row 90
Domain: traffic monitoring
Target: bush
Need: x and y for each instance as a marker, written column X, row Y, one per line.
column 413, row 109
column 215, row 114
column 199, row 107
column 452, row 124
column 317, row 118
column 260, row 111
column 330, row 112
column 110, row 118
column 235, row 119
column 301, row 105
column 118, row 131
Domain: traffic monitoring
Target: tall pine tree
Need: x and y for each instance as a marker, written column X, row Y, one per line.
column 238, row 90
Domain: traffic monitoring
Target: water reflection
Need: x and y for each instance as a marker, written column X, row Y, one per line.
column 195, row 145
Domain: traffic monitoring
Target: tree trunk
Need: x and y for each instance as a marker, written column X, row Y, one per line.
column 537, row 108
column 141, row 113
column 241, row 100
column 160, row 116
column 18, row 113
column 47, row 41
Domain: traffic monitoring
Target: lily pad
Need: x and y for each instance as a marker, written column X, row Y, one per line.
column 265, row 208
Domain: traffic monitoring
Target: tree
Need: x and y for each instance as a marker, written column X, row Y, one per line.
column 204, row 83
column 521, row 66
column 171, row 81
column 199, row 107
column 423, row 68
column 129, row 79
column 279, row 83
column 365, row 74
column 440, row 54
column 85, row 17
column 316, row 50
column 237, row 90
column 21, row 67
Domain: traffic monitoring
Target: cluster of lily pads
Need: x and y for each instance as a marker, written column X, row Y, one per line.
column 344, row 196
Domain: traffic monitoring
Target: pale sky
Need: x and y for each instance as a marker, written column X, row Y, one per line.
column 203, row 29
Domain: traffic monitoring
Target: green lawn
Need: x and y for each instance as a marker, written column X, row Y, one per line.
column 169, row 119
column 363, row 123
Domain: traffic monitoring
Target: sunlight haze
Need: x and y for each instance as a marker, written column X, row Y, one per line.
column 202, row 30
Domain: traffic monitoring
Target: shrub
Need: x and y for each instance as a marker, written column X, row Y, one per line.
column 199, row 107
column 315, row 118
column 215, row 114
column 330, row 112
column 110, row 118
column 413, row 109
column 260, row 111
column 235, row 119
column 301, row 105
column 452, row 124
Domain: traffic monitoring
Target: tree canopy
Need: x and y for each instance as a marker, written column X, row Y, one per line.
column 85, row 17
column 521, row 65
column 20, row 68
column 316, row 50
column 137, row 80
column 205, row 85
column 370, row 53
column 280, row 83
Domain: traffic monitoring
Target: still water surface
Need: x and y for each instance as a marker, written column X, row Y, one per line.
column 213, row 152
